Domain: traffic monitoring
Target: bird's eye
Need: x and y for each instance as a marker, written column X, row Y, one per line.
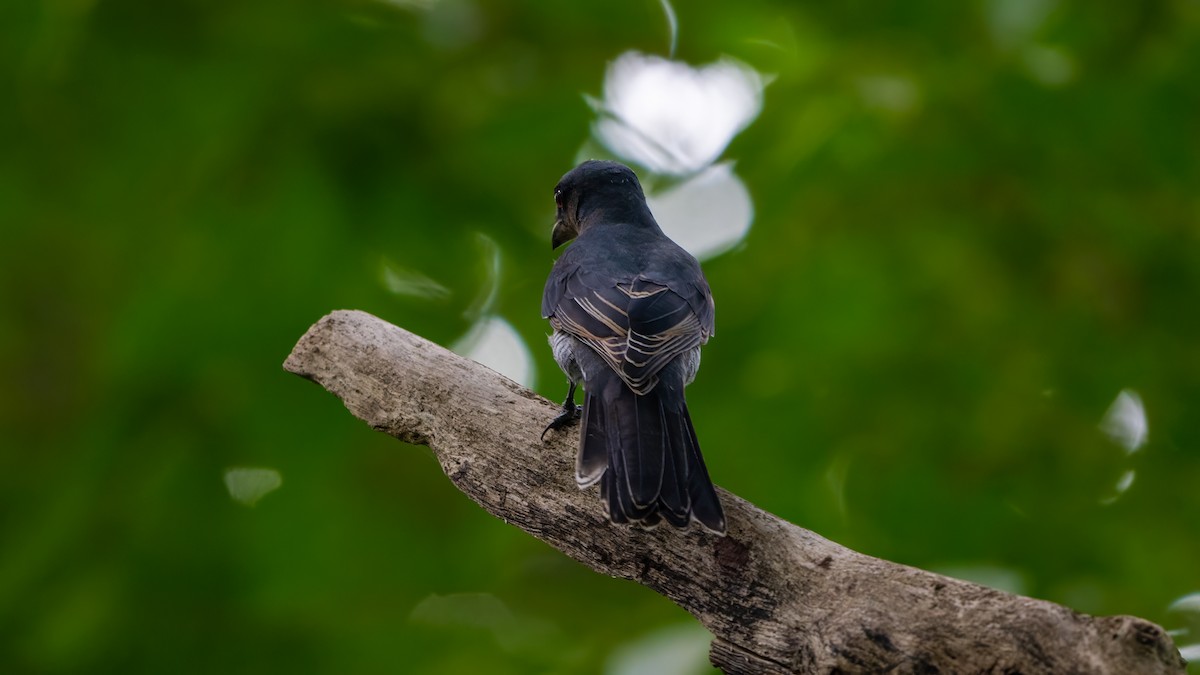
column 558, row 198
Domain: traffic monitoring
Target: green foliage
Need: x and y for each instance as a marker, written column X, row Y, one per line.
column 976, row 223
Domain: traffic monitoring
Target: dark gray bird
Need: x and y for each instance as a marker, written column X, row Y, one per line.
column 630, row 309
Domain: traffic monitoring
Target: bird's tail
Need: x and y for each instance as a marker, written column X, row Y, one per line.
column 643, row 451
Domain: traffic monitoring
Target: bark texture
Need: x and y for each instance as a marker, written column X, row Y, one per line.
column 777, row 598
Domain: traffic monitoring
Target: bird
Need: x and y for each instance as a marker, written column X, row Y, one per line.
column 629, row 309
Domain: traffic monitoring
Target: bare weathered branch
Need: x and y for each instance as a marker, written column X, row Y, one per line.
column 778, row 598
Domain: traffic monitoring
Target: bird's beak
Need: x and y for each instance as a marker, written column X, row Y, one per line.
column 561, row 234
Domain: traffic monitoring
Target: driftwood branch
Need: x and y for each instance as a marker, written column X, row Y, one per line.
column 778, row 598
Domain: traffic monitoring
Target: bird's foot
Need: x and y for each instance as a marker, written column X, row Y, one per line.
column 570, row 413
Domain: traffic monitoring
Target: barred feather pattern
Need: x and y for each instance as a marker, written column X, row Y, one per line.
column 637, row 327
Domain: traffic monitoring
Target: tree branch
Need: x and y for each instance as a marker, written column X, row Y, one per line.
column 778, row 598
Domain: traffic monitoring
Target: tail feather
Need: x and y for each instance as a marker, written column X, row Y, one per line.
column 643, row 451
column 608, row 496
column 639, row 437
column 624, row 450
column 592, row 460
column 674, row 498
column 706, row 506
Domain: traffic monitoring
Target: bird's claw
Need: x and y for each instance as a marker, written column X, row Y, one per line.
column 570, row 413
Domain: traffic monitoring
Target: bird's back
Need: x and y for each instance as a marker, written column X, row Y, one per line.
column 619, row 253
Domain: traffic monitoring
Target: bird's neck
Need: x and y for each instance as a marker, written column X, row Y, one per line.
column 628, row 211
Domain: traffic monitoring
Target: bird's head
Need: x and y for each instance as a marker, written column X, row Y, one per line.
column 595, row 189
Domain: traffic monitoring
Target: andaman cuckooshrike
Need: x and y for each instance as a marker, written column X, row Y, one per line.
column 629, row 309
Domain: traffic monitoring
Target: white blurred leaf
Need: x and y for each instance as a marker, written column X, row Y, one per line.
column 676, row 650
column 403, row 281
column 672, row 118
column 672, row 25
column 707, row 214
column 1190, row 653
column 486, row 298
column 1123, row 484
column 247, row 485
column 1188, row 603
column 1126, row 480
column 493, row 342
column 1125, row 421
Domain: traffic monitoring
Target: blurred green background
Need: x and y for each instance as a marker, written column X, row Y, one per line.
column 976, row 224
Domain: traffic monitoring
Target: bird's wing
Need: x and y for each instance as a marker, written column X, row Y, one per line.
column 638, row 326
column 700, row 298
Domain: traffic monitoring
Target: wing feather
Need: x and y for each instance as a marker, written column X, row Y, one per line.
column 637, row 327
